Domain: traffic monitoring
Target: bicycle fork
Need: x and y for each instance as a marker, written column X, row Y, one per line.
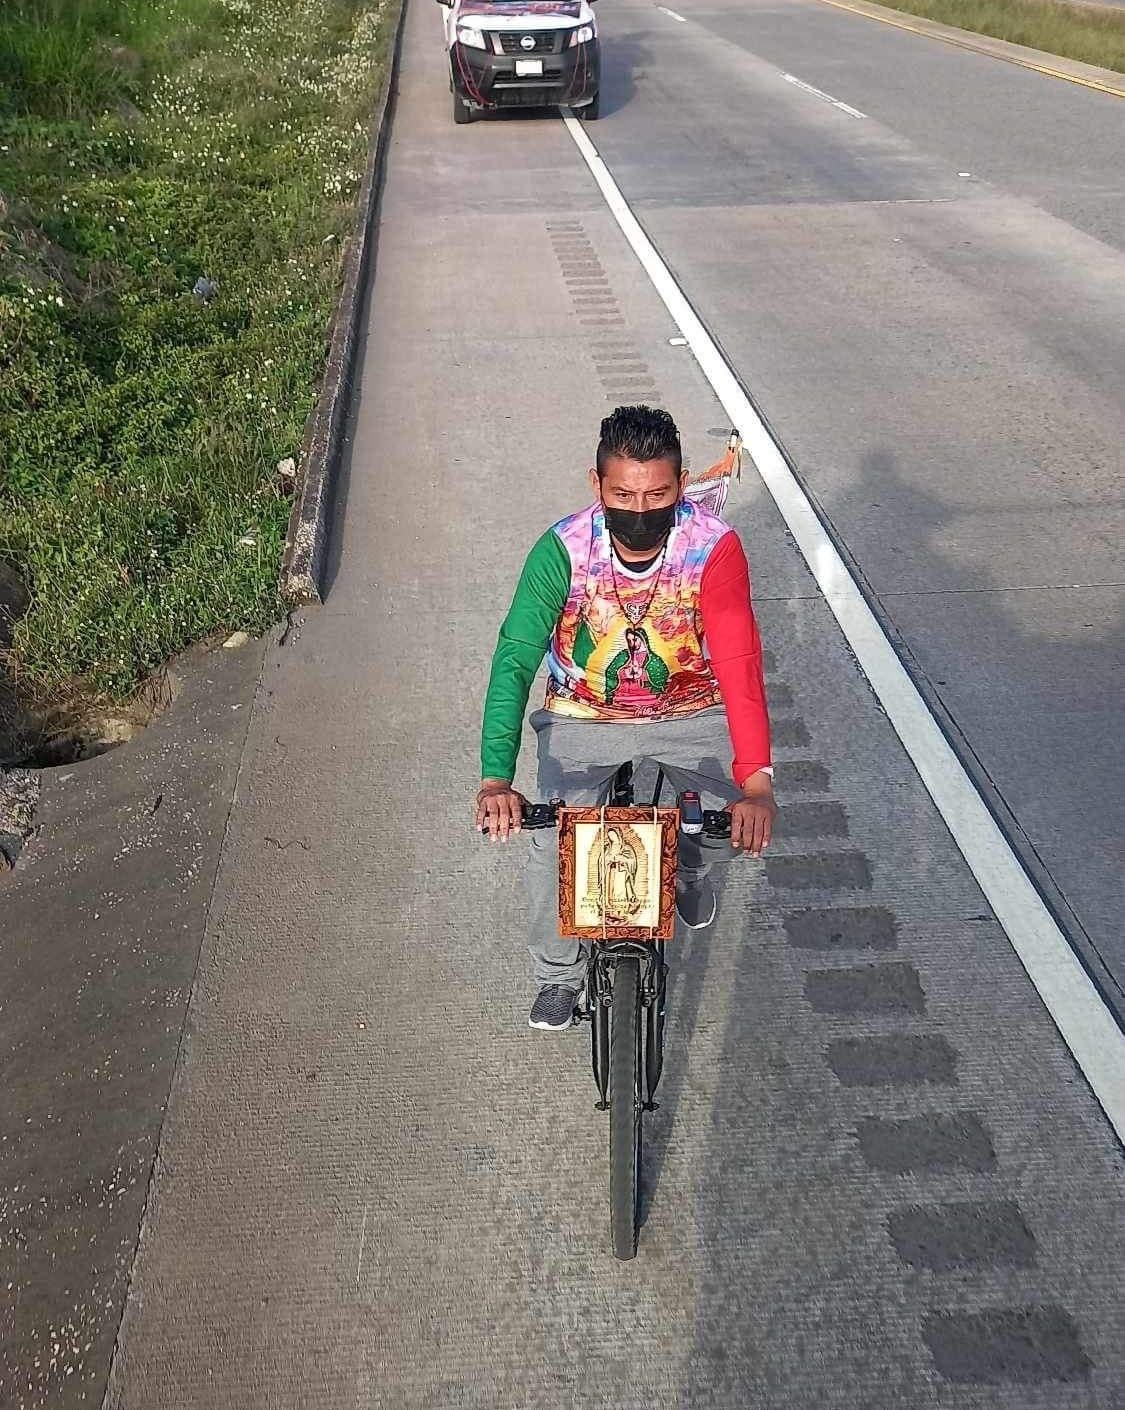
column 650, row 1037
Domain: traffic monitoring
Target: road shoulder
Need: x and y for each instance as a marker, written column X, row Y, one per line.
column 103, row 921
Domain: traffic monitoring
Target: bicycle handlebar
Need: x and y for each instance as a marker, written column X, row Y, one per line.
column 716, row 823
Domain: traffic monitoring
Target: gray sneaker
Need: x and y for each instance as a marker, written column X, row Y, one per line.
column 553, row 1008
column 695, row 903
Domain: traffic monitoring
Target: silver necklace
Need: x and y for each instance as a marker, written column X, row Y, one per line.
column 636, row 612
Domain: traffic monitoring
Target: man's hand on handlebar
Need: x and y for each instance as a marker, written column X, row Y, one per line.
column 751, row 818
column 499, row 809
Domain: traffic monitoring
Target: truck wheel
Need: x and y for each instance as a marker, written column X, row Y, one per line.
column 462, row 113
column 591, row 111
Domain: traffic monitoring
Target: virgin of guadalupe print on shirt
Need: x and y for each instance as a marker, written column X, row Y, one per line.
column 603, row 664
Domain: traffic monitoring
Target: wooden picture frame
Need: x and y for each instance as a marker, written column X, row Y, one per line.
column 640, row 873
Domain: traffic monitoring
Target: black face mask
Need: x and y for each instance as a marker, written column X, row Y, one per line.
column 640, row 529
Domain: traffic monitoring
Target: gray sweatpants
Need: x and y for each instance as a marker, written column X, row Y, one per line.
column 577, row 761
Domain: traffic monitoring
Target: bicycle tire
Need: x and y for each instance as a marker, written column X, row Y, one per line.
column 624, row 1109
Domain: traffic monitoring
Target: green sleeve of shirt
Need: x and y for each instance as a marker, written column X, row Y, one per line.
column 526, row 632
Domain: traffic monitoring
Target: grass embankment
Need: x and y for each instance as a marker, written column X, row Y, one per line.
column 1093, row 35
column 144, row 145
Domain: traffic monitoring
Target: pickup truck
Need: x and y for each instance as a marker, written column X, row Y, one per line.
column 521, row 54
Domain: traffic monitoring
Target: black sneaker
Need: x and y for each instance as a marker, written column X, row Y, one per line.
column 553, row 1009
column 695, row 903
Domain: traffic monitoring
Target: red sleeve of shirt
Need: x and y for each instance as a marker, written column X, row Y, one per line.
column 735, row 650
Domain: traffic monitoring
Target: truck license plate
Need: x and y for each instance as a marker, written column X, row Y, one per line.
column 529, row 68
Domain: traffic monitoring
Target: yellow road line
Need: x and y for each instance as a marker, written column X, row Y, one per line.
column 980, row 49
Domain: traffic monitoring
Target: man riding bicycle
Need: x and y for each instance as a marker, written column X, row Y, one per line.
column 641, row 603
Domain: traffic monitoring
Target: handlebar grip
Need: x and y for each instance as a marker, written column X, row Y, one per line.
column 536, row 816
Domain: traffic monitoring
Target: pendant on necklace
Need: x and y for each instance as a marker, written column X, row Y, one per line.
column 635, row 611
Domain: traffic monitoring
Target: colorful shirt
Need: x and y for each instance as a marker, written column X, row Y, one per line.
column 675, row 641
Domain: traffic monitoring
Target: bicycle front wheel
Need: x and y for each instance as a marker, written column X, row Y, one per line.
column 624, row 1109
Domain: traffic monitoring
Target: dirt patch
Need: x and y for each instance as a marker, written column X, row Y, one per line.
column 19, row 794
column 76, row 729
column 42, row 734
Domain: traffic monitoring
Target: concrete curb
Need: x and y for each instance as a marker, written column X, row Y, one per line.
column 1053, row 65
column 306, row 540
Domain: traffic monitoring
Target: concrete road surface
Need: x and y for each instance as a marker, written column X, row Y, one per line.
column 877, row 1178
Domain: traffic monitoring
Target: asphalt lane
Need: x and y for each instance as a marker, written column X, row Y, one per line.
column 1043, row 139
column 876, row 1178
column 928, row 302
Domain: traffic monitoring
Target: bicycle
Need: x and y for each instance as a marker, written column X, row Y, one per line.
column 623, row 1000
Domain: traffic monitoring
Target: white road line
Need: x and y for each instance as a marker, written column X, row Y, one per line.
column 818, row 93
column 1086, row 1025
column 665, row 10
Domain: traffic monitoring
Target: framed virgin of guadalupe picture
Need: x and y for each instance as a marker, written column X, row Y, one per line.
column 617, row 873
